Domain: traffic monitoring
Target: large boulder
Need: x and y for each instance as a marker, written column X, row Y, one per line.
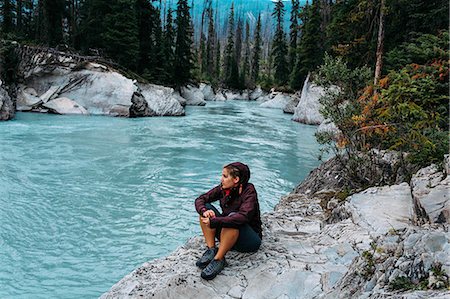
column 278, row 102
column 193, row 96
column 162, row 100
column 308, row 108
column 7, row 109
column 97, row 90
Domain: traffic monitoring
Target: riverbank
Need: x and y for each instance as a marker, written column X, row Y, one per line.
column 316, row 246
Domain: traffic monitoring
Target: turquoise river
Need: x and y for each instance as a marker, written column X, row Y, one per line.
column 85, row 200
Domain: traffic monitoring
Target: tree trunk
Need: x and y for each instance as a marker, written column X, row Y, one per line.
column 380, row 44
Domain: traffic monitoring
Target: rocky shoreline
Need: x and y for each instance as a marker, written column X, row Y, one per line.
column 382, row 242
column 50, row 81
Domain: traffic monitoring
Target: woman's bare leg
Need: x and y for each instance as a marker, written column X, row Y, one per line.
column 228, row 237
column 209, row 234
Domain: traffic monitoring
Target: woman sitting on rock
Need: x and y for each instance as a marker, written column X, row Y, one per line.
column 238, row 227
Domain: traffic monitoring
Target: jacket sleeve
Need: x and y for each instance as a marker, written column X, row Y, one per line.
column 246, row 211
column 210, row 196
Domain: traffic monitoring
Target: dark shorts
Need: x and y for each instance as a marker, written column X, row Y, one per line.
column 248, row 240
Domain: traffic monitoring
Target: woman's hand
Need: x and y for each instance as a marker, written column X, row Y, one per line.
column 209, row 214
column 206, row 220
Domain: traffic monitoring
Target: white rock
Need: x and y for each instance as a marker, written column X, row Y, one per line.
column 51, row 93
column 176, row 95
column 161, row 100
column 308, row 108
column 231, row 95
column 207, row 91
column 220, row 97
column 327, row 126
column 380, row 209
column 65, row 106
column 278, row 102
column 256, row 93
column 431, row 193
column 27, row 101
column 99, row 92
column 193, row 96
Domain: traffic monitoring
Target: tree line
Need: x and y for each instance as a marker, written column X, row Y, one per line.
column 158, row 43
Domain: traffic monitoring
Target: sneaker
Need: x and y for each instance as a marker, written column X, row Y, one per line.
column 213, row 269
column 206, row 258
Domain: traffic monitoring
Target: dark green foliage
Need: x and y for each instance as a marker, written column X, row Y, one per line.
column 146, row 18
column 407, row 18
column 169, row 46
column 256, row 52
column 352, row 32
column 7, row 13
column 422, row 49
column 229, row 57
column 9, row 62
column 310, row 50
column 93, row 14
column 293, row 35
column 279, row 48
column 210, row 46
column 53, row 14
column 245, row 72
column 120, row 35
column 183, row 56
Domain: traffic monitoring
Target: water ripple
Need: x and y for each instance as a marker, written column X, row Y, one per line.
column 85, row 200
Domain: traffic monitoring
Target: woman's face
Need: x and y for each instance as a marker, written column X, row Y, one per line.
column 227, row 180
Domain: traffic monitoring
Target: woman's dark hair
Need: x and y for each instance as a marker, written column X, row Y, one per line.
column 234, row 171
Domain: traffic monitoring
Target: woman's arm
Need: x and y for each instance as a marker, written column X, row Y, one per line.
column 210, row 196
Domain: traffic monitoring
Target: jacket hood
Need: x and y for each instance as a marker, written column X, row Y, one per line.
column 244, row 172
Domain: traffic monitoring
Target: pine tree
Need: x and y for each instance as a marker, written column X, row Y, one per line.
column 183, row 55
column 218, row 63
column 157, row 58
column 146, row 20
column 169, row 46
column 256, row 52
column 229, row 58
column 279, row 50
column 121, row 33
column 293, row 35
column 53, row 15
column 7, row 12
column 210, row 44
column 92, row 25
column 245, row 72
column 310, row 52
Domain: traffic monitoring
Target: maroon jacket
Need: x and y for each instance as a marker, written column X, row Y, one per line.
column 245, row 205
